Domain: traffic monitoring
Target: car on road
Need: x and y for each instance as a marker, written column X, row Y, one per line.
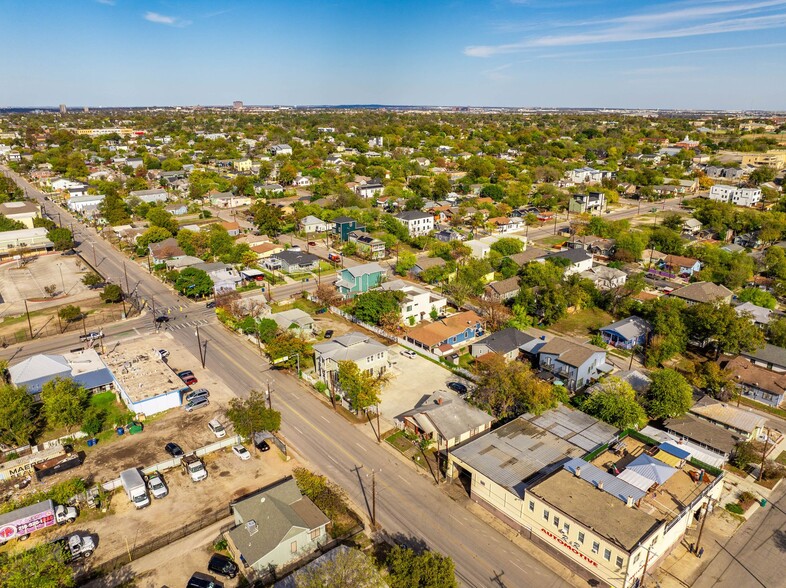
column 198, row 393
column 211, row 304
column 409, row 353
column 312, row 243
column 223, row 566
column 458, row 387
column 188, row 377
column 329, row 334
column 174, row 450
column 91, row 336
column 241, row 452
column 196, row 403
column 263, row 446
column 163, row 353
column 162, row 319
column 156, row 484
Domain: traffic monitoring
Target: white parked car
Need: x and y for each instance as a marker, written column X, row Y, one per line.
column 241, row 452
column 217, row 428
column 156, row 484
column 409, row 353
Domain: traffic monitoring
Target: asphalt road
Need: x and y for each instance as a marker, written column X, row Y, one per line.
column 755, row 555
column 408, row 504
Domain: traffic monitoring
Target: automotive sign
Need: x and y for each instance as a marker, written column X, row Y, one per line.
column 27, row 525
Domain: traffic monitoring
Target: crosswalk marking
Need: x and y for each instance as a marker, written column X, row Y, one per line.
column 177, row 326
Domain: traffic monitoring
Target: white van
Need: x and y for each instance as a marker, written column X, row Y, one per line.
column 217, row 428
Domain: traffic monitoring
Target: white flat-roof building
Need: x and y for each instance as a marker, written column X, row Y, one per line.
column 739, row 196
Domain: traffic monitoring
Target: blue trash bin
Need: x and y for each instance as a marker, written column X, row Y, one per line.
column 120, row 430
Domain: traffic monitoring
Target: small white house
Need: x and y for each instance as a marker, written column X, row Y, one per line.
column 312, row 224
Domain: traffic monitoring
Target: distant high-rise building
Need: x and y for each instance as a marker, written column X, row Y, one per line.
column 63, row 109
column 85, row 109
column 237, row 105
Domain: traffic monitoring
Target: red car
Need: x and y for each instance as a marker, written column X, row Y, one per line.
column 312, row 243
column 188, row 377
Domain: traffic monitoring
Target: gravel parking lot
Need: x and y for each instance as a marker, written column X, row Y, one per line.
column 412, row 379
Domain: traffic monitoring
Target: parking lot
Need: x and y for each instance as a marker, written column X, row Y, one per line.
column 27, row 282
column 412, row 379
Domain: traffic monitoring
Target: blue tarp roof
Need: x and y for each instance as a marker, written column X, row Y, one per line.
column 674, row 450
column 611, row 484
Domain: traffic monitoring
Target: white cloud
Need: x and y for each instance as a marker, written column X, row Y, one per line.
column 694, row 20
column 106, row 2
column 172, row 21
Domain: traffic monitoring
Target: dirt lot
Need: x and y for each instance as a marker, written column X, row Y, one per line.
column 412, row 379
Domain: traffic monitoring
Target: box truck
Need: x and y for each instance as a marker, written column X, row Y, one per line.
column 19, row 523
column 134, row 485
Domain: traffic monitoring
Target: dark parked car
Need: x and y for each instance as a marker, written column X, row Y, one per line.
column 162, row 319
column 211, row 304
column 188, row 377
column 223, row 566
column 312, row 243
column 329, row 334
column 457, row 387
column 263, row 446
column 203, row 581
column 174, row 450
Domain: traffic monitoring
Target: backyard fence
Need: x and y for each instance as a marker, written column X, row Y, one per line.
column 168, row 464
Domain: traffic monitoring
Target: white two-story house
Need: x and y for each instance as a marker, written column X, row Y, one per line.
column 418, row 223
column 418, row 303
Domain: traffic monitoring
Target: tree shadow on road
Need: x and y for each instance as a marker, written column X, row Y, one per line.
column 779, row 537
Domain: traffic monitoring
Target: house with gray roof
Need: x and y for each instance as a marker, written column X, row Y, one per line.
column 360, row 278
column 503, row 289
column 295, row 320
column 446, row 419
column 575, row 364
column 506, row 343
column 703, row 292
column 627, row 333
column 367, row 353
column 275, row 527
column 150, row 196
column 757, row 314
column 770, row 356
column 85, row 367
column 296, row 261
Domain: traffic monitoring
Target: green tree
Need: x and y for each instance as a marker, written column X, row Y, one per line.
column 721, row 324
column 287, row 344
column 757, row 297
column 762, row 175
column 252, row 415
column 777, row 332
column 70, row 313
column 152, row 235
column 159, row 217
column 61, row 238
column 8, row 224
column 267, row 218
column 92, row 279
column 409, row 569
column 745, row 452
column 64, row 402
column 360, row 388
column 114, row 209
column 406, row 261
column 43, row 566
column 93, row 420
column 669, row 395
column 508, row 389
column 371, row 306
column 615, row 402
column 348, row 569
column 112, row 293
column 17, row 422
column 508, row 246
column 194, row 283
column 266, row 329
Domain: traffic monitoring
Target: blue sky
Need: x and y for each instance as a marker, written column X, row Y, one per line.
column 603, row 53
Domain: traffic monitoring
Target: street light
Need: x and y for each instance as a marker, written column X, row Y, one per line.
column 199, row 345
column 62, row 281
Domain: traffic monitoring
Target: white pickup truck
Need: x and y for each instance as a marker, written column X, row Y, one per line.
column 194, row 467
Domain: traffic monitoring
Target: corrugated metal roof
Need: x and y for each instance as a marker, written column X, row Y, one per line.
column 668, row 458
column 651, row 468
column 574, row 426
column 635, row 479
column 612, row 485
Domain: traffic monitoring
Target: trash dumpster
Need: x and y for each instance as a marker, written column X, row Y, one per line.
column 763, row 502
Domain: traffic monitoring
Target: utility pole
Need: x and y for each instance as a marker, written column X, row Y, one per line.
column 555, row 223
column 646, row 561
column 764, row 453
column 84, row 325
column 95, row 263
column 269, row 397
column 125, row 272
column 373, row 500
column 199, row 344
column 379, row 431
column 30, row 324
column 701, row 528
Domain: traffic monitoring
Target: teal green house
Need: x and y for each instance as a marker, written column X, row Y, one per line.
column 359, row 279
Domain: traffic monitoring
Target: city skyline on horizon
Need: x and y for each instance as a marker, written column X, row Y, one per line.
column 720, row 55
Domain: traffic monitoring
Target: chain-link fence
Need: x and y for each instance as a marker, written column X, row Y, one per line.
column 57, row 326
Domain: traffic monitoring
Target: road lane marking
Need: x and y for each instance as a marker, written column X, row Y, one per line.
column 403, row 479
column 363, row 448
column 298, row 429
column 324, row 419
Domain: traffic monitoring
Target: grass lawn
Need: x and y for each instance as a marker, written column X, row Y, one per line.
column 781, row 459
column 583, row 322
column 466, row 361
column 301, row 303
column 553, row 240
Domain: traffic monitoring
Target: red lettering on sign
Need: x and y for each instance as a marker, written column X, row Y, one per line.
column 569, row 547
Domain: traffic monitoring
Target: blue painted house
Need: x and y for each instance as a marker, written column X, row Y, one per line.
column 681, row 266
column 343, row 226
column 359, row 279
column 627, row 333
column 444, row 336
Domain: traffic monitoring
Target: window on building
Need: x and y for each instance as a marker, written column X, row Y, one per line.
column 293, row 547
column 581, row 537
column 619, row 561
column 636, row 559
column 607, row 554
column 595, row 547
column 567, row 528
column 556, row 521
column 314, row 534
column 545, row 515
column 531, row 506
